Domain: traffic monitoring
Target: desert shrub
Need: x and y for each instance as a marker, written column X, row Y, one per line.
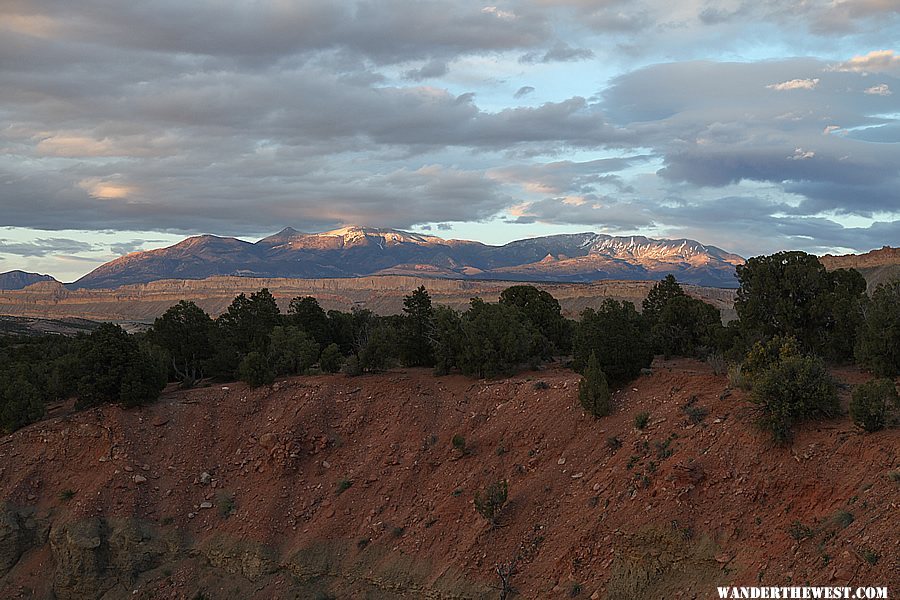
column 331, row 359
column 496, row 339
column 255, row 370
column 873, row 404
column 542, row 310
column 343, row 485
column 114, row 367
column 291, row 350
column 247, row 322
column 380, row 349
column 641, row 420
column 878, row 343
column 225, row 504
column 490, row 502
column 305, row 313
column 716, row 361
column 459, row 443
column 686, row 327
column 617, row 334
column 417, row 326
column 791, row 294
column 351, row 366
column 694, row 413
column 22, row 402
column 184, row 332
column 662, row 292
column 795, row 388
column 446, row 339
column 593, row 391
column 764, row 355
column 736, row 377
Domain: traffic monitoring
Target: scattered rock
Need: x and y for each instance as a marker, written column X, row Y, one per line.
column 139, row 479
column 206, row 505
column 561, row 461
column 205, row 478
column 268, row 441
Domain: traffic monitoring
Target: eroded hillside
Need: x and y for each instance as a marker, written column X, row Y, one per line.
column 351, row 487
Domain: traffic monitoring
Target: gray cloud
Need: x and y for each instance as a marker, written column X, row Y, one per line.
column 44, row 247
column 716, row 124
column 429, row 70
column 240, row 119
column 560, row 52
column 523, row 91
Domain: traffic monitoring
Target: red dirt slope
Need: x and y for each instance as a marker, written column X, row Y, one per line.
column 677, row 509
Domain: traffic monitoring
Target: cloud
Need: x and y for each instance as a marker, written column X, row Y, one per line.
column 44, row 247
column 801, row 154
column 560, row 52
column 523, row 91
column 429, row 70
column 601, row 212
column 716, row 124
column 127, row 247
column 795, row 84
column 881, row 89
column 877, row 61
column 239, row 119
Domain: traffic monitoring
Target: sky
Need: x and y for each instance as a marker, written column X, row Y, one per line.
column 752, row 125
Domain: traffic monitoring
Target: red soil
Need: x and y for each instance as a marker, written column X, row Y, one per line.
column 714, row 504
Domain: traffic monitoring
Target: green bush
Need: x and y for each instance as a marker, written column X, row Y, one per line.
column 380, row 349
column 184, row 332
column 417, row 327
column 593, row 391
column 619, row 337
column 791, row 294
column 878, row 342
column 641, row 420
column 764, row 355
column 491, row 501
column 496, row 339
column 543, row 311
column 680, row 325
column 291, row 350
column 22, row 403
column 794, row 388
column 255, row 370
column 331, row 359
column 446, row 339
column 873, row 404
column 686, row 326
column 114, row 367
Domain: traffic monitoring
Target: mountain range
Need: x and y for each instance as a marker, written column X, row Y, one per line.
column 17, row 280
column 361, row 251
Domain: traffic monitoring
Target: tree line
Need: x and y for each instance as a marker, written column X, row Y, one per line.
column 793, row 316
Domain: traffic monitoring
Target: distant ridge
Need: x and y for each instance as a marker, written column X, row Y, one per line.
column 877, row 266
column 16, row 280
column 356, row 251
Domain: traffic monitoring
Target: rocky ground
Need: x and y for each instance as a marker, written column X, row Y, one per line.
column 336, row 487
